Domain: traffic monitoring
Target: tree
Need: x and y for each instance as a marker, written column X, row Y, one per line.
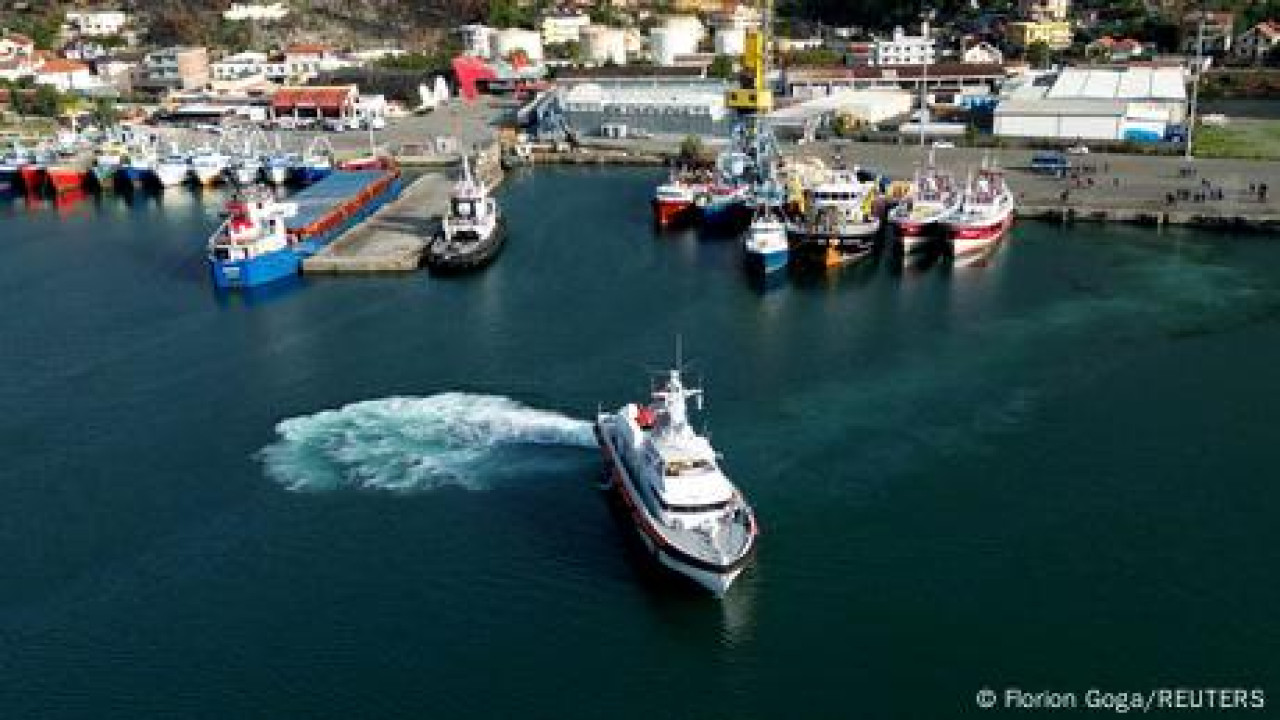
column 507, row 13
column 1039, row 53
column 721, row 67
column 691, row 148
column 105, row 113
column 46, row 102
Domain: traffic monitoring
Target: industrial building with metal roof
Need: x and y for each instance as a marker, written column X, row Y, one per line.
column 1144, row 103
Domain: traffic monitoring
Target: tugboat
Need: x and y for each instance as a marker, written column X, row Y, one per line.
column 252, row 247
column 472, row 232
column 984, row 216
column 841, row 220
column 766, row 240
column 920, row 216
column 673, row 491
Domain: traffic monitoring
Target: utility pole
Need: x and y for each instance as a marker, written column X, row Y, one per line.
column 1195, row 82
column 926, row 16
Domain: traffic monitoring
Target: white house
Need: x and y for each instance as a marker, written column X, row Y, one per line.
column 476, row 39
column 17, row 56
column 67, row 75
column 95, row 23
column 982, row 53
column 904, row 49
column 239, row 66
column 262, row 13
column 1256, row 42
column 563, row 27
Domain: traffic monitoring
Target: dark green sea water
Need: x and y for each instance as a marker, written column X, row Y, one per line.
column 1056, row 472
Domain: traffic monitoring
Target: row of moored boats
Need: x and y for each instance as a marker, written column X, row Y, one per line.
column 142, row 164
column 840, row 215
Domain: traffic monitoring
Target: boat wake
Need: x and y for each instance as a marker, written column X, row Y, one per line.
column 409, row 445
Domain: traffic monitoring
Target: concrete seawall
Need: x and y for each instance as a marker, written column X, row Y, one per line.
column 1212, row 220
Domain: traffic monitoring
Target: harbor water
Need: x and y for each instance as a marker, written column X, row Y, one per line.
column 378, row 497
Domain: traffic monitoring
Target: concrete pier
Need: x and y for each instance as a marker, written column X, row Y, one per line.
column 394, row 238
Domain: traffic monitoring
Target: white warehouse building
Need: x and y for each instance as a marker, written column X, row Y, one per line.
column 1131, row 103
column 696, row 107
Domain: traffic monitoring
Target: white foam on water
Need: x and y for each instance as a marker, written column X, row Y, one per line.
column 409, row 444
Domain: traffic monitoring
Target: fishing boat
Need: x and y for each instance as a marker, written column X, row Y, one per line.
column 11, row 169
column 173, row 169
column 472, row 232
column 672, row 490
column 724, row 206
column 841, row 219
column 674, row 201
column 140, row 167
column 207, row 166
column 766, row 240
column 66, row 176
column 920, row 216
column 984, row 216
column 107, row 164
column 314, row 164
column 252, row 246
column 31, row 173
column 244, row 170
column 276, row 168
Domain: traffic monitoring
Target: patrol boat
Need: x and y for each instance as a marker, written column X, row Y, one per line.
column 675, row 495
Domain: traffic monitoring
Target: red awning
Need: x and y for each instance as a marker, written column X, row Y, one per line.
column 322, row 98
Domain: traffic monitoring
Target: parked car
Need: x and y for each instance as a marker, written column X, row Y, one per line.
column 944, row 145
column 1078, row 149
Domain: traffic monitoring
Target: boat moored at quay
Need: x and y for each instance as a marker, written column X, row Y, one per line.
column 312, row 219
column 674, row 201
column 252, row 246
column 840, row 222
column 472, row 231
column 920, row 217
column 984, row 216
column 672, row 490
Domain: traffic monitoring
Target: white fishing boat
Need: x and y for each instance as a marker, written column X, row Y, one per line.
column 672, row 489
column 766, row 240
column 173, row 169
column 920, row 216
column 208, row 165
column 985, row 214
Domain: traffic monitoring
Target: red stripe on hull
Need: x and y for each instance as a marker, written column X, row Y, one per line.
column 669, row 212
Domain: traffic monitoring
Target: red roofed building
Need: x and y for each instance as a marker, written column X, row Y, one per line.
column 331, row 101
column 1115, row 49
column 1258, row 41
column 66, row 75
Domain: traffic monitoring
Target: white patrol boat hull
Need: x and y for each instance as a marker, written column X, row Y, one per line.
column 715, row 577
